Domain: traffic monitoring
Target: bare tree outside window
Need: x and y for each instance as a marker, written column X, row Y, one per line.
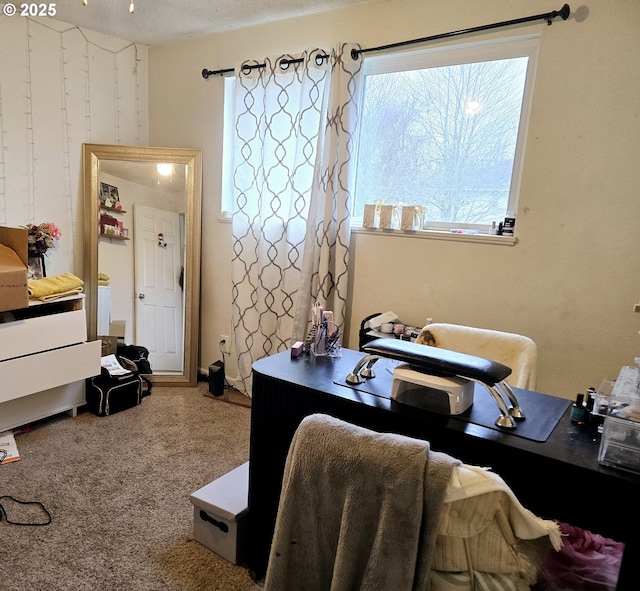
column 444, row 138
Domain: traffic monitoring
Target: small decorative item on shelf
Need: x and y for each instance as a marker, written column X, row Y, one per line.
column 370, row 215
column 389, row 217
column 110, row 227
column 412, row 217
column 40, row 238
column 109, row 196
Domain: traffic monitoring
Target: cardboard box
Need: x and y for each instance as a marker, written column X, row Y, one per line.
column 109, row 345
column 117, row 328
column 13, row 268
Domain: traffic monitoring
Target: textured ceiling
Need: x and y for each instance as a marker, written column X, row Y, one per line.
column 146, row 173
column 160, row 21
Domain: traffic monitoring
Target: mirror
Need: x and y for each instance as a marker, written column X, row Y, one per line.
column 142, row 252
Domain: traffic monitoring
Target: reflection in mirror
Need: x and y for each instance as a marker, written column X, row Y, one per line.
column 142, row 252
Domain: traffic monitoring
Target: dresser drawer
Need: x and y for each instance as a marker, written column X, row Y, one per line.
column 31, row 335
column 25, row 375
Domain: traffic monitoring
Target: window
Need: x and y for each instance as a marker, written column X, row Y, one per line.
column 227, row 147
column 445, row 129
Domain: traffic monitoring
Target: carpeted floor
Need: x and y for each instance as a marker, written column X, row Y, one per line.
column 118, row 491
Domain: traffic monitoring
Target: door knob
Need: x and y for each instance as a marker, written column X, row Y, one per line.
column 141, row 296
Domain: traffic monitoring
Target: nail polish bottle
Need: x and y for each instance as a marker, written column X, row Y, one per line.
column 578, row 410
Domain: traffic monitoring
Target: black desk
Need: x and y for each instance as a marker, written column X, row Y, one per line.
column 556, row 479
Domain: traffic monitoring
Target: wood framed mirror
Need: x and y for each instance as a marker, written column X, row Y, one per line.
column 142, row 252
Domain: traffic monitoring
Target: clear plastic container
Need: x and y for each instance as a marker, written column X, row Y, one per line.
column 620, row 444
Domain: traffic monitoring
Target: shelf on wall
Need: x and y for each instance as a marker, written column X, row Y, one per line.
column 114, row 209
column 114, row 236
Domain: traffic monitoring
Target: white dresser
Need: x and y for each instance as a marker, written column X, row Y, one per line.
column 44, row 360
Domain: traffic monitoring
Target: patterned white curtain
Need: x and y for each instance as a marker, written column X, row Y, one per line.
column 295, row 135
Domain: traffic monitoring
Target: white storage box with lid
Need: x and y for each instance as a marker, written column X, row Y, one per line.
column 219, row 513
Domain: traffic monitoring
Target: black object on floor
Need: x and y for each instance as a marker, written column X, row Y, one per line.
column 216, row 378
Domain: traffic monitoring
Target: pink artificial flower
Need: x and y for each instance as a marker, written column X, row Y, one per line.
column 54, row 231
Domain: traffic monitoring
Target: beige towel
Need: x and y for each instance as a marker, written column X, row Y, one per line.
column 53, row 287
column 358, row 510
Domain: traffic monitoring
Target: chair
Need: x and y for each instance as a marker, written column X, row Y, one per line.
column 518, row 352
column 362, row 510
column 353, row 512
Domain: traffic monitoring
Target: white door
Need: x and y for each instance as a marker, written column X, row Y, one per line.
column 159, row 307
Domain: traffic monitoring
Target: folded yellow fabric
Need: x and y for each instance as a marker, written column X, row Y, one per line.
column 55, row 296
column 54, row 285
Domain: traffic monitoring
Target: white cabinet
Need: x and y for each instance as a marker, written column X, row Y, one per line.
column 44, row 361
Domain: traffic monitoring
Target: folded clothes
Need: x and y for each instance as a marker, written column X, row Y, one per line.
column 62, row 294
column 54, row 287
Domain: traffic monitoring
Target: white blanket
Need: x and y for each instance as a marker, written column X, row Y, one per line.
column 471, row 481
column 358, row 510
column 516, row 351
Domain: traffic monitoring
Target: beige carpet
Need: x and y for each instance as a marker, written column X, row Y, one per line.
column 118, row 491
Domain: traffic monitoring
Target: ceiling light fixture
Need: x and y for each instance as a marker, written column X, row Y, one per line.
column 165, row 169
column 132, row 7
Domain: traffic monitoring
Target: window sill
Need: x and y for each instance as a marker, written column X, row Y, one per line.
column 425, row 234
column 440, row 235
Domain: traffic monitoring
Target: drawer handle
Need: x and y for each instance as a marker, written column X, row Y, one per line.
column 219, row 524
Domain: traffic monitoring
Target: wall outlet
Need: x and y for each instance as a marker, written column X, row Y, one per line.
column 225, row 343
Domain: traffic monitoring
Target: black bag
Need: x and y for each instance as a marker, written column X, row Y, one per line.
column 136, row 359
column 136, row 353
column 107, row 394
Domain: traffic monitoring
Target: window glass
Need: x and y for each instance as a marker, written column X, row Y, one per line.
column 444, row 129
column 227, row 147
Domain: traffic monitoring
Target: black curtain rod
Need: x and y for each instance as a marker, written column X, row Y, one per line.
column 284, row 64
column 548, row 16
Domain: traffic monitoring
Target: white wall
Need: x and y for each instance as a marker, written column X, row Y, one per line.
column 571, row 281
column 60, row 87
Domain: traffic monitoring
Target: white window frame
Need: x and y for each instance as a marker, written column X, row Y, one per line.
column 450, row 55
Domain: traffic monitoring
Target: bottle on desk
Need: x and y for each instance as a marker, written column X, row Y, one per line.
column 594, row 417
column 578, row 411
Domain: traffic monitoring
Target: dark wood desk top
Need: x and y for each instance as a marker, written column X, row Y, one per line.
column 567, row 443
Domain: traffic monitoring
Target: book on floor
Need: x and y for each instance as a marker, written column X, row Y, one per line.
column 8, row 448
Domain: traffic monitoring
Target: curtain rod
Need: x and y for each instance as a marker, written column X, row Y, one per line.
column 548, row 16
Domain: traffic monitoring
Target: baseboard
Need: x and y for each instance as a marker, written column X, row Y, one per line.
column 231, row 396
